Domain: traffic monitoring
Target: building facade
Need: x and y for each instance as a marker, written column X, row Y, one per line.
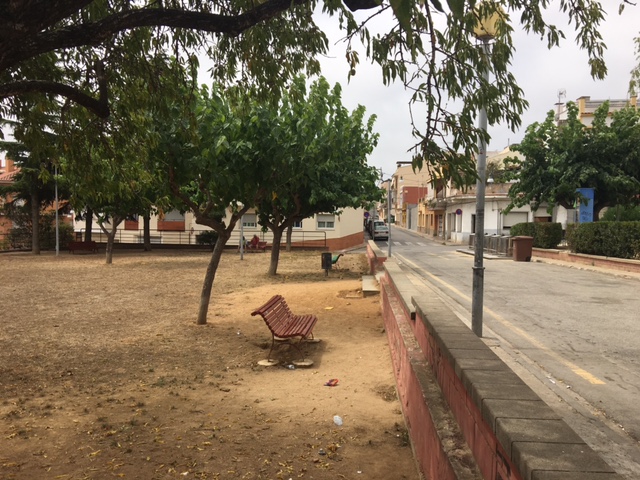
column 331, row 231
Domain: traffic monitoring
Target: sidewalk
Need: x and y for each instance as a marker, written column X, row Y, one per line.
column 613, row 266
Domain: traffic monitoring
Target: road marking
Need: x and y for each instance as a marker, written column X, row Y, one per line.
column 592, row 379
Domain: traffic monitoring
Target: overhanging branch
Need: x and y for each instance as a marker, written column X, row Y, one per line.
column 99, row 106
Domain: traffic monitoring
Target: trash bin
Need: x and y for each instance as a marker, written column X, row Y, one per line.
column 326, row 261
column 522, row 248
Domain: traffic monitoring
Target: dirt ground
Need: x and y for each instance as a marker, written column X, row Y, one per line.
column 104, row 374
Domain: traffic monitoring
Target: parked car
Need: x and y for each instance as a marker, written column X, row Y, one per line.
column 380, row 230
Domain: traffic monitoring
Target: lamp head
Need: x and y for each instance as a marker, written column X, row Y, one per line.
column 487, row 26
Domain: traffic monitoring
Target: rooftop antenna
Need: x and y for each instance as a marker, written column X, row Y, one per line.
column 562, row 94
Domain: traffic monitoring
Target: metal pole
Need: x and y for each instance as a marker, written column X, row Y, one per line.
column 478, row 268
column 389, row 220
column 242, row 238
column 55, row 173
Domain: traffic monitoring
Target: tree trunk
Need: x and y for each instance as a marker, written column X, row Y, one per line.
column 289, row 233
column 109, row 255
column 35, row 224
column 147, row 231
column 111, row 236
column 275, row 251
column 88, row 225
column 205, row 295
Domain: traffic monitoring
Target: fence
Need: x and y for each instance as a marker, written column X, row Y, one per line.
column 494, row 244
column 168, row 238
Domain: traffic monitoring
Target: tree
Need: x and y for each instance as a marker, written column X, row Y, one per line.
column 560, row 159
column 75, row 49
column 212, row 168
column 107, row 160
column 318, row 159
column 634, row 83
column 34, row 151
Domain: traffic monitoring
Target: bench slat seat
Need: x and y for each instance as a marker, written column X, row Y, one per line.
column 282, row 323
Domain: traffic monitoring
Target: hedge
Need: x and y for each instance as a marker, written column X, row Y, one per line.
column 608, row 239
column 545, row 235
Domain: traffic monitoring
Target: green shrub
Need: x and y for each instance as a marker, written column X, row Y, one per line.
column 19, row 237
column 526, row 229
column 545, row 235
column 207, row 237
column 608, row 239
column 620, row 213
column 569, row 233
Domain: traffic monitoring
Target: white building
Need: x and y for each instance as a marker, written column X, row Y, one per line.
column 334, row 232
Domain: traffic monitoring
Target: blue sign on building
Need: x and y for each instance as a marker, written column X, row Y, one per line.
column 585, row 206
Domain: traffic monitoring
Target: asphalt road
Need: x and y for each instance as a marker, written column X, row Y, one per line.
column 572, row 333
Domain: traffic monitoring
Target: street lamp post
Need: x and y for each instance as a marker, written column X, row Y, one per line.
column 389, row 219
column 55, row 176
column 485, row 32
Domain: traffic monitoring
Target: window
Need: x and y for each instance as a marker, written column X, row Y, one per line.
column 131, row 222
column 326, row 221
column 511, row 218
column 297, row 224
column 173, row 216
column 249, row 220
column 171, row 221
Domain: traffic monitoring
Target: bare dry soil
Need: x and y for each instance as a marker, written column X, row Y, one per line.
column 104, row 373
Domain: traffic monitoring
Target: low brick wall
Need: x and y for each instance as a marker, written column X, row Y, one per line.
column 620, row 264
column 469, row 415
column 375, row 257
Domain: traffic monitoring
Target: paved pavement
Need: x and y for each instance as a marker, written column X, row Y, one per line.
column 571, row 332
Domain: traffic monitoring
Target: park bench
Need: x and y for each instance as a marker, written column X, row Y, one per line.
column 283, row 324
column 83, row 246
column 260, row 247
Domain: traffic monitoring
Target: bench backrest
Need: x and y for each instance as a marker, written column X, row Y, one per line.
column 275, row 312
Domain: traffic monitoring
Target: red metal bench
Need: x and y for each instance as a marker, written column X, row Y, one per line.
column 284, row 324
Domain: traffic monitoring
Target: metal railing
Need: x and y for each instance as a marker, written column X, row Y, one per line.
column 299, row 238
column 494, row 244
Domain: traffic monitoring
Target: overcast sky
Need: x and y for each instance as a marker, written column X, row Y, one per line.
column 540, row 72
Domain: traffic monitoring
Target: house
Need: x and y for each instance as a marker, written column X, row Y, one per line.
column 330, row 231
column 8, row 171
column 407, row 188
column 449, row 212
column 588, row 107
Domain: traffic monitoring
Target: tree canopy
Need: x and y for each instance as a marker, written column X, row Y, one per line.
column 560, row 159
column 75, row 50
column 317, row 158
column 225, row 154
column 35, row 153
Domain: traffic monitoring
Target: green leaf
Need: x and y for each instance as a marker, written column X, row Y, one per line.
column 437, row 5
column 403, row 10
column 456, row 7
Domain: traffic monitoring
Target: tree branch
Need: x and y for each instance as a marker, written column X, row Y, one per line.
column 99, row 106
column 95, row 33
